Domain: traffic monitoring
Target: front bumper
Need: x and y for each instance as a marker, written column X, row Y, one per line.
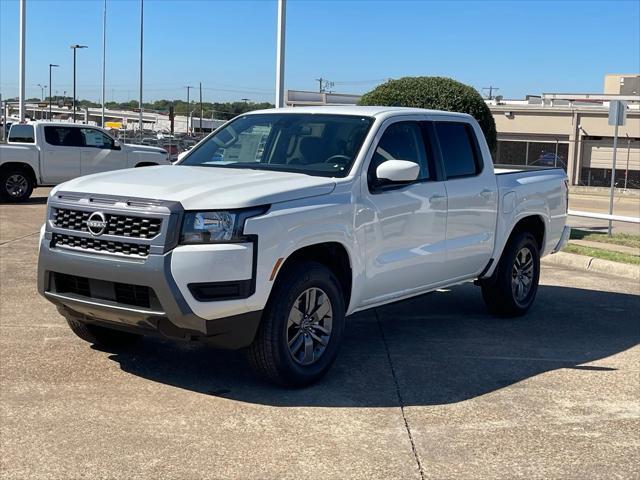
column 165, row 275
column 172, row 318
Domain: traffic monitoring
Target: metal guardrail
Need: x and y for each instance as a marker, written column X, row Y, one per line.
column 604, row 216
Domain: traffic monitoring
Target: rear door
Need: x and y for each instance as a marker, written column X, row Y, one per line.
column 405, row 238
column 61, row 152
column 472, row 198
column 98, row 154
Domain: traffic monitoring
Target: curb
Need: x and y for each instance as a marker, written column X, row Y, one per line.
column 582, row 262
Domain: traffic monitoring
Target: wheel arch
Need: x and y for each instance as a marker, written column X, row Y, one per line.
column 533, row 223
column 28, row 169
column 333, row 255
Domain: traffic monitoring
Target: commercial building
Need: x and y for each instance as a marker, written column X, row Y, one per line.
column 572, row 131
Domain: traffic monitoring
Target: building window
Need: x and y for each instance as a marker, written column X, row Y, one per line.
column 601, row 177
column 511, row 153
column 537, row 154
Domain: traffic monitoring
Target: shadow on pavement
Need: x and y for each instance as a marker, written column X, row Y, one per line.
column 29, row 201
column 440, row 349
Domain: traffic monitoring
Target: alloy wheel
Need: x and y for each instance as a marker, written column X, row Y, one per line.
column 16, row 185
column 522, row 274
column 309, row 326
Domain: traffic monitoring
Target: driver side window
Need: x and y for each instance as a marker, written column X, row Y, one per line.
column 400, row 141
column 96, row 139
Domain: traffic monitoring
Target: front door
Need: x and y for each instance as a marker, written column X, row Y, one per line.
column 98, row 153
column 405, row 238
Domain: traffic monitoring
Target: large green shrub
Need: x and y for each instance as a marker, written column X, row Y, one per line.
column 437, row 93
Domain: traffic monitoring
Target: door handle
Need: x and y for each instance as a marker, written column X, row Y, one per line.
column 436, row 196
column 486, row 193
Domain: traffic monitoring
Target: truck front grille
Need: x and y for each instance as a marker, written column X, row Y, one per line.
column 120, row 225
column 98, row 245
column 123, row 293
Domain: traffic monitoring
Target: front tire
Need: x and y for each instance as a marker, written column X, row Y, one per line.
column 512, row 289
column 100, row 336
column 16, row 185
column 302, row 327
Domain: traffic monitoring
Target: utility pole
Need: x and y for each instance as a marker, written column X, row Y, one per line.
column 141, row 44
column 51, row 65
column 23, row 28
column 74, row 48
column 104, row 56
column 324, row 85
column 188, row 87
column 491, row 88
column 42, row 87
column 201, row 109
column 280, row 44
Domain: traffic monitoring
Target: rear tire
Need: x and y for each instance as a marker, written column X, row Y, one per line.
column 16, row 185
column 104, row 337
column 301, row 328
column 511, row 290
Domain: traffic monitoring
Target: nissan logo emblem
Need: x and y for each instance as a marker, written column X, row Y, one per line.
column 96, row 223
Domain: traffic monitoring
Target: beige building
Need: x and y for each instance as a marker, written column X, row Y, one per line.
column 571, row 131
column 622, row 84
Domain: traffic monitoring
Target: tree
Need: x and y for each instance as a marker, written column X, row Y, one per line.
column 437, row 93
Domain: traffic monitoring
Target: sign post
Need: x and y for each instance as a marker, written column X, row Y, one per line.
column 617, row 117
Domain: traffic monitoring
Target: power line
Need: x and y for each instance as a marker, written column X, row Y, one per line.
column 360, row 82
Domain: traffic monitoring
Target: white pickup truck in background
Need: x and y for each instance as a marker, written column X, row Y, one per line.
column 46, row 153
column 281, row 223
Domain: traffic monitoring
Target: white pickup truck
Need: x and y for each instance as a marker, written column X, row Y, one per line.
column 282, row 222
column 45, row 153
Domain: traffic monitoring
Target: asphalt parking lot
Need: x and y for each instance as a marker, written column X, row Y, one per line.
column 433, row 387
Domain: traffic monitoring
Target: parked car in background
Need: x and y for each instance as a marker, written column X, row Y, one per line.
column 273, row 229
column 46, row 153
column 549, row 159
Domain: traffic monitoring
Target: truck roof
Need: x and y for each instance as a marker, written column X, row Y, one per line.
column 369, row 111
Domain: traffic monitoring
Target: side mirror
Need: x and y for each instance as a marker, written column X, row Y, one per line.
column 116, row 145
column 398, row 171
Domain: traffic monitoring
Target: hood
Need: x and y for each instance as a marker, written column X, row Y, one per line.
column 144, row 148
column 202, row 188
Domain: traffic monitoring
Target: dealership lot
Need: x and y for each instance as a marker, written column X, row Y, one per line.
column 433, row 387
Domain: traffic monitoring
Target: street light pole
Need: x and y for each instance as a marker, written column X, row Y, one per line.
column 141, row 44
column 188, row 87
column 104, row 56
column 74, row 48
column 51, row 65
column 282, row 15
column 23, row 28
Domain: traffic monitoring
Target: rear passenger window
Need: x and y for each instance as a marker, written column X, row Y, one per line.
column 21, row 134
column 458, row 149
column 63, row 136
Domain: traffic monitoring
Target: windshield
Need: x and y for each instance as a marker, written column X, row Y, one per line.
column 313, row 144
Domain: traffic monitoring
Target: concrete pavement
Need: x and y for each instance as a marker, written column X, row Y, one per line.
column 433, row 387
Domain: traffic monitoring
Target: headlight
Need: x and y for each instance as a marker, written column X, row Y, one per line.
column 216, row 226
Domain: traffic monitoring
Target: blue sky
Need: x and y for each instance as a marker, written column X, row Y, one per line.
column 521, row 47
